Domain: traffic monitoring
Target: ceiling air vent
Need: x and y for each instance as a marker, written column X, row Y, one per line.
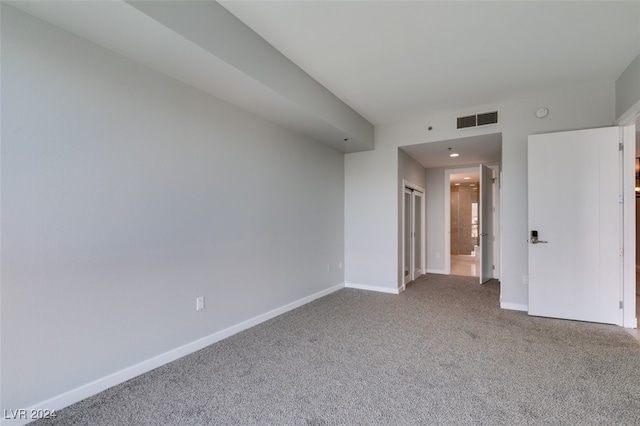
column 468, row 121
column 476, row 120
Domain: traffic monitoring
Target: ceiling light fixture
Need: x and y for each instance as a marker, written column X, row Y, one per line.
column 453, row 154
column 466, row 178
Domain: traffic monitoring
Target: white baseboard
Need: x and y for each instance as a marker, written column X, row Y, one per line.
column 373, row 288
column 78, row 394
column 437, row 271
column 514, row 306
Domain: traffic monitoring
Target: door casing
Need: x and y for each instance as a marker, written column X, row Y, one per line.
column 495, row 216
column 414, row 230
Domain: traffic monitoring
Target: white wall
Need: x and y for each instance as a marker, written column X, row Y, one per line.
column 211, row 26
column 628, row 88
column 435, row 221
column 125, row 195
column 411, row 171
column 370, row 216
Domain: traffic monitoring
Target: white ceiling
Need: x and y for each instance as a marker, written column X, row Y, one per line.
column 390, row 60
column 203, row 45
column 484, row 149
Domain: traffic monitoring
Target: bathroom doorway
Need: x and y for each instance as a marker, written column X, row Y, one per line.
column 472, row 221
column 464, row 226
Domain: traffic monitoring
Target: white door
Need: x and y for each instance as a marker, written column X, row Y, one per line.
column 418, row 256
column 575, row 225
column 486, row 234
column 412, row 235
column 407, row 240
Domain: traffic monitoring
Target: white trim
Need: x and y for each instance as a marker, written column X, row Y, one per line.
column 75, row 395
column 497, row 216
column 420, row 269
column 436, row 271
column 376, row 288
column 405, row 191
column 628, row 136
column 514, row 306
column 414, row 191
column 447, row 212
column 411, row 185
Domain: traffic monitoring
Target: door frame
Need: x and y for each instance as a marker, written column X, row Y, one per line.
column 497, row 223
column 486, row 241
column 413, row 187
column 628, row 138
column 627, row 121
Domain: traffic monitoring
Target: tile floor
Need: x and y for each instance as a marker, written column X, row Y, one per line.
column 465, row 265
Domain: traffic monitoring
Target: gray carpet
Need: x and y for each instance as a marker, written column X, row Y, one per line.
column 442, row 352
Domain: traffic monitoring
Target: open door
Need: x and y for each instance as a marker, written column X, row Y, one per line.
column 486, row 234
column 575, row 225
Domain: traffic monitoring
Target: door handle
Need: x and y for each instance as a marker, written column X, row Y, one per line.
column 535, row 240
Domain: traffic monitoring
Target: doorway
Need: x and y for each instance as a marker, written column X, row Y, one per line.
column 481, row 229
column 464, row 224
column 428, row 163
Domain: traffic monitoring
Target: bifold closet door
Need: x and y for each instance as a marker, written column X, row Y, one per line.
column 413, row 240
column 407, row 239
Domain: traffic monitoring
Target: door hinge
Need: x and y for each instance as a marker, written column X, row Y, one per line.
column 620, row 199
column 620, row 146
column 621, row 304
column 493, row 267
column 621, row 252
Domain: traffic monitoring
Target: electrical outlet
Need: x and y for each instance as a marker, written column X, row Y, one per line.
column 340, row 265
column 199, row 303
column 525, row 279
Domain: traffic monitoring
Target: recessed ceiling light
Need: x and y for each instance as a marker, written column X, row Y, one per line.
column 454, row 154
column 457, row 184
column 466, row 178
